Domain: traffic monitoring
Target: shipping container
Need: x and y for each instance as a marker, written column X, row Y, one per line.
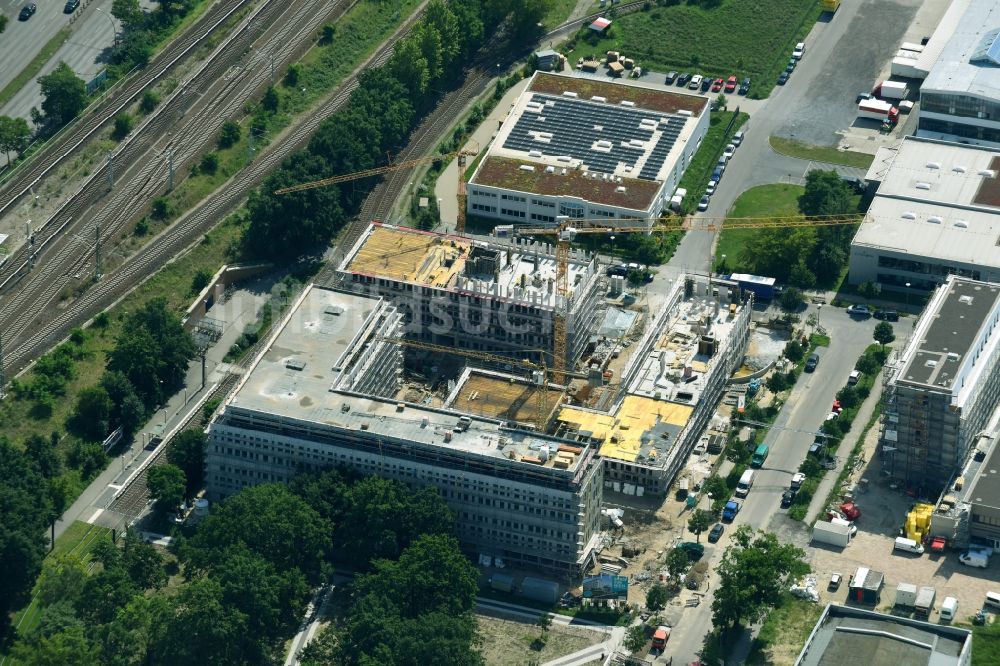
column 906, row 595
column 546, row 591
column 925, row 601
column 831, row 533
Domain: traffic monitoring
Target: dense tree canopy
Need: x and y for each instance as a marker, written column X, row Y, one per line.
column 65, row 95
column 14, row 135
column 167, row 486
column 187, row 451
column 754, row 573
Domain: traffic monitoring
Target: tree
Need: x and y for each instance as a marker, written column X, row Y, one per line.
column 677, row 563
column 134, row 629
column 127, row 409
column 62, row 579
column 544, row 621
column 791, row 299
column 699, row 522
column 883, row 333
column 65, row 95
column 209, row 163
column 14, row 135
column 128, row 12
column 167, row 486
column 754, row 573
column 143, row 563
column 635, row 638
column 70, row 646
column 124, row 122
column 229, row 134
column 187, row 451
column 42, row 452
column 200, row 280
column 91, row 418
column 3, row 22
column 202, row 628
column 848, row 397
column 656, row 597
column 794, row 351
column 150, row 100
column 24, row 505
column 826, row 193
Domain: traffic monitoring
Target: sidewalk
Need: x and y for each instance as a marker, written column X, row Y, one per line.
column 844, row 450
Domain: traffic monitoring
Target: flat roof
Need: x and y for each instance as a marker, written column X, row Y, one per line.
column 949, row 329
column 525, row 270
column 846, row 635
column 506, row 173
column 320, row 345
column 959, row 67
column 610, row 143
column 500, row 396
column 982, row 479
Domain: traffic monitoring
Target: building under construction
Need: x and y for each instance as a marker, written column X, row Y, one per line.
column 323, row 393
column 670, row 387
column 941, row 391
column 499, row 296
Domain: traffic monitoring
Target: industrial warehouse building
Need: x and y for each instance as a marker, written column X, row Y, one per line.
column 314, row 399
column 942, row 389
column 498, row 296
column 846, row 635
column 960, row 97
column 588, row 149
column 670, row 387
column 935, row 213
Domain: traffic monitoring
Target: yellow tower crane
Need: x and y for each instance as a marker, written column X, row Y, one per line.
column 540, row 371
column 461, row 155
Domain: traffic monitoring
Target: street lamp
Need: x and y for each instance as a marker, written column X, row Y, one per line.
column 907, row 295
column 114, row 28
column 612, row 245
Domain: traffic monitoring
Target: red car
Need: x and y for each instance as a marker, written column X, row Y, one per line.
column 717, row 85
column 731, row 84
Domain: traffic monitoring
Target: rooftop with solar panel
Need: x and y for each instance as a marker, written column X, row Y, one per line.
column 615, row 144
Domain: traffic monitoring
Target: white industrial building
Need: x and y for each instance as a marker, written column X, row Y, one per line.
column 498, row 296
column 935, row 213
column 942, row 390
column 960, row 97
column 670, row 387
column 321, row 395
column 588, row 149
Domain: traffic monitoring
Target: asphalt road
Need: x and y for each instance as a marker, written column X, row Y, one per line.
column 22, row 40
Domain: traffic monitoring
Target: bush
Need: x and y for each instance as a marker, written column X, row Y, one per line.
column 200, row 281
column 292, row 75
column 794, row 351
column 142, row 226
column 123, row 125
column 791, row 299
column 230, row 134
column 209, row 163
column 161, row 208
column 150, row 100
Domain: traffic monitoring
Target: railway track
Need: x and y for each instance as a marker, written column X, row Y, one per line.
column 225, row 84
column 65, row 143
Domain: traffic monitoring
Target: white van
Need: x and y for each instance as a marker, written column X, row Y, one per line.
column 974, row 558
column 992, row 601
column 745, row 484
column 908, row 545
column 949, row 607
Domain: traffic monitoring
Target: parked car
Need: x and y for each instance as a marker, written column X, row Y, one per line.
column 710, row 190
column 730, row 510
column 27, row 11
column 862, row 97
column 786, row 498
column 730, row 150
column 731, row 84
column 706, row 83
column 783, row 78
column 71, row 6
column 620, row 270
column 716, row 532
column 854, row 377
column 797, row 480
column 862, row 311
column 671, row 77
column 703, row 204
column 812, row 362
column 886, row 315
column 745, row 86
column 695, row 82
column 683, row 79
column 790, row 67
column 694, row 550
column 717, row 85
column 834, row 582
column 799, row 51
column 712, row 184
column 738, row 137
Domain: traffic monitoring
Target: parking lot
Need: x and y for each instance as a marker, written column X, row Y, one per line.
column 827, row 113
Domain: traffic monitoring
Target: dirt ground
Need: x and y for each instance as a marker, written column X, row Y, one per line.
column 508, row 643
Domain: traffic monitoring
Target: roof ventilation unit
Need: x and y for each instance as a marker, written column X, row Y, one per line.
column 958, row 168
column 534, row 153
column 620, row 188
column 934, row 219
column 598, row 98
column 961, row 224
column 684, row 112
column 526, row 167
column 625, row 102
column 933, row 165
column 923, row 186
column 987, row 173
column 909, row 216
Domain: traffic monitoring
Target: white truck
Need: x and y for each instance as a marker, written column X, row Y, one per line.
column 895, row 90
column 906, row 595
column 876, row 109
column 832, row 533
column 925, row 601
column 907, row 68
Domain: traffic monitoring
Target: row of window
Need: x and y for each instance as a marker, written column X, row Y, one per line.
column 991, row 134
column 512, row 213
column 542, row 203
column 481, row 193
column 512, row 197
column 543, row 218
column 927, row 268
column 963, row 106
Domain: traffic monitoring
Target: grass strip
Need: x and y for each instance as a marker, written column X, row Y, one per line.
column 698, row 173
column 775, row 200
column 805, row 151
column 32, row 69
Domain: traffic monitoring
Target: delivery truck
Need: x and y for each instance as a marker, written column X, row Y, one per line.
column 876, row 109
column 908, row 68
column 832, row 533
column 906, row 595
column 925, row 601
column 894, row 90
